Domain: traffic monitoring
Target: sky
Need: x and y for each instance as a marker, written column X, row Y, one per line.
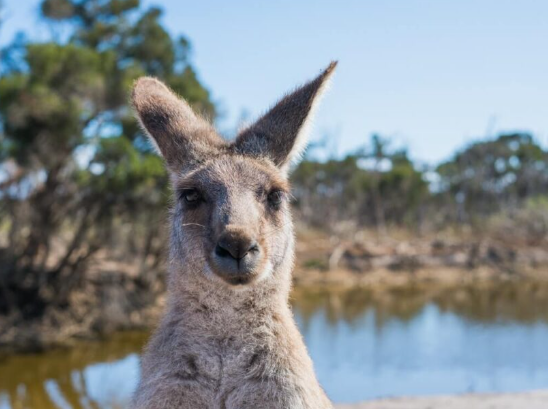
column 432, row 75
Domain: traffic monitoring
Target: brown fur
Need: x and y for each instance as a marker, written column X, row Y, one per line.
column 228, row 339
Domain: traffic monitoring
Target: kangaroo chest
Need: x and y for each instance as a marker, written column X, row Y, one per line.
column 221, row 361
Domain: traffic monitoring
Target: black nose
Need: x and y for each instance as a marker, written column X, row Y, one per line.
column 237, row 248
column 236, row 256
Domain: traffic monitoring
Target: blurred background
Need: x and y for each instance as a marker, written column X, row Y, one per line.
column 421, row 204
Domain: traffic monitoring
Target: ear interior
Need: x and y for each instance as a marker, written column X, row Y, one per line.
column 182, row 137
column 282, row 133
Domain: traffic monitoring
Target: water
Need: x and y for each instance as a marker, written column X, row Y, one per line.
column 364, row 344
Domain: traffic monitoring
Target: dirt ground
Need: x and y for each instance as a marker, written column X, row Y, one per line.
column 400, row 260
column 529, row 400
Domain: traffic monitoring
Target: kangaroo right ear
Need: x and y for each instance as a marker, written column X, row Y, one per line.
column 182, row 137
column 281, row 134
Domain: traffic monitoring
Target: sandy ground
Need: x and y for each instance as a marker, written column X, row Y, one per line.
column 530, row 400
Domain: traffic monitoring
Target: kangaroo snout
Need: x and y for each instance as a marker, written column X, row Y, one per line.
column 236, row 256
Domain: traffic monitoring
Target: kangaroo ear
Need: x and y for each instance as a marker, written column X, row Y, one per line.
column 181, row 137
column 281, row 134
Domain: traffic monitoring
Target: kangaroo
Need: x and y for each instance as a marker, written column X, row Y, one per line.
column 228, row 339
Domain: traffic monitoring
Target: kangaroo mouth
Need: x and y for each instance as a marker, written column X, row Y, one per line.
column 238, row 280
column 234, row 277
column 239, row 274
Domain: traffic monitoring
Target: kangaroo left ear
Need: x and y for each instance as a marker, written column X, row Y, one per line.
column 182, row 137
column 281, row 134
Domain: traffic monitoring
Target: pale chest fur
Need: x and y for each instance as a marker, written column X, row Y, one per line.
column 233, row 358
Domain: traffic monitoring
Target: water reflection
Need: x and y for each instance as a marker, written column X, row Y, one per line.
column 91, row 375
column 503, row 302
column 419, row 342
column 365, row 344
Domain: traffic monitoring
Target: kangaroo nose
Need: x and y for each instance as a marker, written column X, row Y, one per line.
column 236, row 256
column 236, row 247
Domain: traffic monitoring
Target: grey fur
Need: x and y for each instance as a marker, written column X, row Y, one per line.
column 221, row 345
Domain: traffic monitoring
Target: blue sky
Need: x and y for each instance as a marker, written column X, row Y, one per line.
column 432, row 75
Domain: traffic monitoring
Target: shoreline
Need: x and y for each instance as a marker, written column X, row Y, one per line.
column 117, row 311
column 524, row 400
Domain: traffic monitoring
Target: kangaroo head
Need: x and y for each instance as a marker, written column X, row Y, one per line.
column 231, row 221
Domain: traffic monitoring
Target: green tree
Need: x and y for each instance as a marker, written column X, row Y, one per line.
column 378, row 154
column 373, row 187
column 75, row 164
column 488, row 176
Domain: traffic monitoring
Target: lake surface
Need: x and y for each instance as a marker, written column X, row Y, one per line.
column 364, row 344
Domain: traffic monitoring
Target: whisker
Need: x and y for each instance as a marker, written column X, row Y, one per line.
column 193, row 224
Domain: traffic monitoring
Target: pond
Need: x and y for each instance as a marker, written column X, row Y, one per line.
column 365, row 344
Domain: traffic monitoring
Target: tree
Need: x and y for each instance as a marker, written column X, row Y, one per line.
column 378, row 154
column 75, row 161
column 371, row 187
column 488, row 176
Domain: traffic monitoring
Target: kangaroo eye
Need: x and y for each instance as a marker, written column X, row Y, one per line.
column 191, row 196
column 275, row 198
